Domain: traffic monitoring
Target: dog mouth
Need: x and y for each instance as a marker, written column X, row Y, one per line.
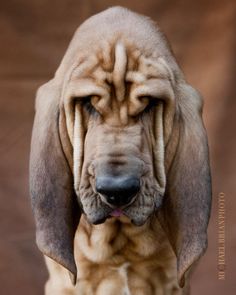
column 120, row 215
column 116, row 213
column 136, row 212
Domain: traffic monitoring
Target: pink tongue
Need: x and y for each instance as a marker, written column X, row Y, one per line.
column 116, row 213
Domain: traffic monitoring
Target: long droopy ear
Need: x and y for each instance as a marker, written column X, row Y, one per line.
column 51, row 182
column 187, row 201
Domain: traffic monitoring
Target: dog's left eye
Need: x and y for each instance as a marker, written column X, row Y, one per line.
column 151, row 104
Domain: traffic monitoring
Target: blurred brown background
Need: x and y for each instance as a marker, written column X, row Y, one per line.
column 33, row 38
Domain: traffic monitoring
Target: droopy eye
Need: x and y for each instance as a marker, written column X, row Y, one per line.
column 141, row 104
column 86, row 104
column 152, row 102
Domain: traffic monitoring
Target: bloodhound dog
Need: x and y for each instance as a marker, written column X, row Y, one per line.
column 119, row 170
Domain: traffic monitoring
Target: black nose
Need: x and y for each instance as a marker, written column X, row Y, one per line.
column 118, row 191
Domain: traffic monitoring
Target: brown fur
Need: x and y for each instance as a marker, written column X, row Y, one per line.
column 119, row 64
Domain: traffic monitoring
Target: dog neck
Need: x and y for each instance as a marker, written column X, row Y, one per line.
column 121, row 255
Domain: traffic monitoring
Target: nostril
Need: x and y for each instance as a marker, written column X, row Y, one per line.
column 118, row 190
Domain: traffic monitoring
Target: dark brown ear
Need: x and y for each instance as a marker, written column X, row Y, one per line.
column 187, row 200
column 51, row 183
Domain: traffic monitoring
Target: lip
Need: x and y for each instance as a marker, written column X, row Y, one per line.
column 116, row 213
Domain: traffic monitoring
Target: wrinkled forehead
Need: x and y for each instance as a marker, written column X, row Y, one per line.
column 119, row 57
column 119, row 64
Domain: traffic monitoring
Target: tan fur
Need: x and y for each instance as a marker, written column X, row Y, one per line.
column 117, row 106
column 118, row 258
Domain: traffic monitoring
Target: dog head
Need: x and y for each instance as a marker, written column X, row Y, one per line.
column 119, row 131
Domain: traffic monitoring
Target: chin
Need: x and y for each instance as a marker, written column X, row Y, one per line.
column 113, row 215
column 134, row 213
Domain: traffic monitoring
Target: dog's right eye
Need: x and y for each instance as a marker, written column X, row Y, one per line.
column 87, row 105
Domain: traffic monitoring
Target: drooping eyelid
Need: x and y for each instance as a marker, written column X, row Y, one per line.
column 83, row 99
column 153, row 102
column 142, row 104
column 84, row 89
column 95, row 103
column 149, row 98
column 85, row 102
